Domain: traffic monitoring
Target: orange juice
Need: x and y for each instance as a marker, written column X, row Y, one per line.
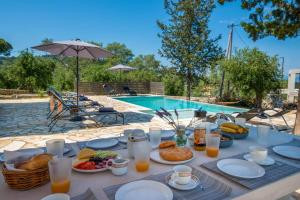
column 141, row 166
column 212, row 151
column 61, row 186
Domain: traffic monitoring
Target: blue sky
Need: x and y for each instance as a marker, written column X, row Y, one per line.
column 132, row 22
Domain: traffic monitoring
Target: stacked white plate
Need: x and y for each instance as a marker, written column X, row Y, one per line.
column 102, row 143
column 288, row 151
column 144, row 190
column 241, row 168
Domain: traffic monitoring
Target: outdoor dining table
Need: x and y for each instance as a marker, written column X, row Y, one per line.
column 80, row 182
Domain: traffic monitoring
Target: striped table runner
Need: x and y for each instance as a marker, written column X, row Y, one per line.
column 211, row 189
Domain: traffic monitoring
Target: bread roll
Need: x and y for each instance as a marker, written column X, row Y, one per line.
column 36, row 162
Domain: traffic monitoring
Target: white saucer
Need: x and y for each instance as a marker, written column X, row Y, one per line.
column 191, row 185
column 267, row 161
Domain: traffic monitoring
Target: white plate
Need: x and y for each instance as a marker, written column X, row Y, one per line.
column 86, row 170
column 123, row 139
column 102, row 143
column 240, row 168
column 191, row 185
column 167, row 134
column 154, row 155
column 288, row 151
column 145, row 190
column 266, row 162
column 211, row 125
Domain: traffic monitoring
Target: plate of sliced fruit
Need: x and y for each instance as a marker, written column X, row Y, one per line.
column 90, row 161
column 234, row 130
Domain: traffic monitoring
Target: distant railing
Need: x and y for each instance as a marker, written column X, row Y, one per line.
column 96, row 88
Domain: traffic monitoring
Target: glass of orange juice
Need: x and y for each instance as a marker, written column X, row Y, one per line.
column 212, row 144
column 60, row 174
column 141, row 151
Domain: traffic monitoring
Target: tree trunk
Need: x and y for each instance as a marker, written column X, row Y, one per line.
column 258, row 100
column 188, row 84
column 222, row 85
column 297, row 121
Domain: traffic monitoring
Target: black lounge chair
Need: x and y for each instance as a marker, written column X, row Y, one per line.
column 64, row 106
column 108, row 90
column 128, row 91
column 71, row 99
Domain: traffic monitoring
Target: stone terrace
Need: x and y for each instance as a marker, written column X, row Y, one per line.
column 23, row 123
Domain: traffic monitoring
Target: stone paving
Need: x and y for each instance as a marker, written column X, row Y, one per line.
column 23, row 123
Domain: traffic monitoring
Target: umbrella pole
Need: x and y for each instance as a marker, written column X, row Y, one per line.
column 77, row 81
column 77, row 117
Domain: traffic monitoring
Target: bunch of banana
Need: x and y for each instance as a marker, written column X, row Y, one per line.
column 233, row 128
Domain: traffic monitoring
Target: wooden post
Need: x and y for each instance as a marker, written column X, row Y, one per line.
column 297, row 121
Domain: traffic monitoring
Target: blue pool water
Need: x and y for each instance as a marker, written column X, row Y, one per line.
column 155, row 102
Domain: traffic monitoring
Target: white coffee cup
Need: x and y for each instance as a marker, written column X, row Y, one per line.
column 182, row 174
column 57, row 196
column 258, row 154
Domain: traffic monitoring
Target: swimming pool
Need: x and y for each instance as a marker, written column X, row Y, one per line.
column 186, row 107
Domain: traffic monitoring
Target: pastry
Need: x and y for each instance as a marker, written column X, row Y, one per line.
column 176, row 154
column 167, row 144
column 35, row 162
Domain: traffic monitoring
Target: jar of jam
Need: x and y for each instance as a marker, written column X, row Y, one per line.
column 199, row 139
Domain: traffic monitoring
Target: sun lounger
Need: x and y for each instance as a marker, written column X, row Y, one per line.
column 108, row 90
column 66, row 106
column 128, row 91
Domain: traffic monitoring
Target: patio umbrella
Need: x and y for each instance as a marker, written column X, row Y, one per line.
column 74, row 48
column 121, row 67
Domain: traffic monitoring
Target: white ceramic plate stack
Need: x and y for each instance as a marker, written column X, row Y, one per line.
column 154, row 155
column 241, row 168
column 102, row 143
column 167, row 134
column 288, row 151
column 145, row 190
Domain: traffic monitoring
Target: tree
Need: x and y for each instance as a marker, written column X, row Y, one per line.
column 185, row 38
column 146, row 62
column 122, row 55
column 47, row 41
column 252, row 70
column 33, row 73
column 5, row 47
column 279, row 18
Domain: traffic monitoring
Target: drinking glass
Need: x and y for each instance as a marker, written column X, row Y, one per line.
column 263, row 134
column 155, row 136
column 141, row 151
column 212, row 144
column 60, row 174
column 56, row 147
column 240, row 121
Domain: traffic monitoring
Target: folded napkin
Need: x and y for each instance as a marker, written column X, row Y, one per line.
column 87, row 195
column 11, row 157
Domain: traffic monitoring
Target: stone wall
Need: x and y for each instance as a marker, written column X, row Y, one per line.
column 13, row 91
column 96, row 88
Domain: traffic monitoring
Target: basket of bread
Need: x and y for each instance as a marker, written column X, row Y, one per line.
column 26, row 172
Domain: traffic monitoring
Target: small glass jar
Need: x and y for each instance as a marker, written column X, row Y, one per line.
column 199, row 139
column 180, row 136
